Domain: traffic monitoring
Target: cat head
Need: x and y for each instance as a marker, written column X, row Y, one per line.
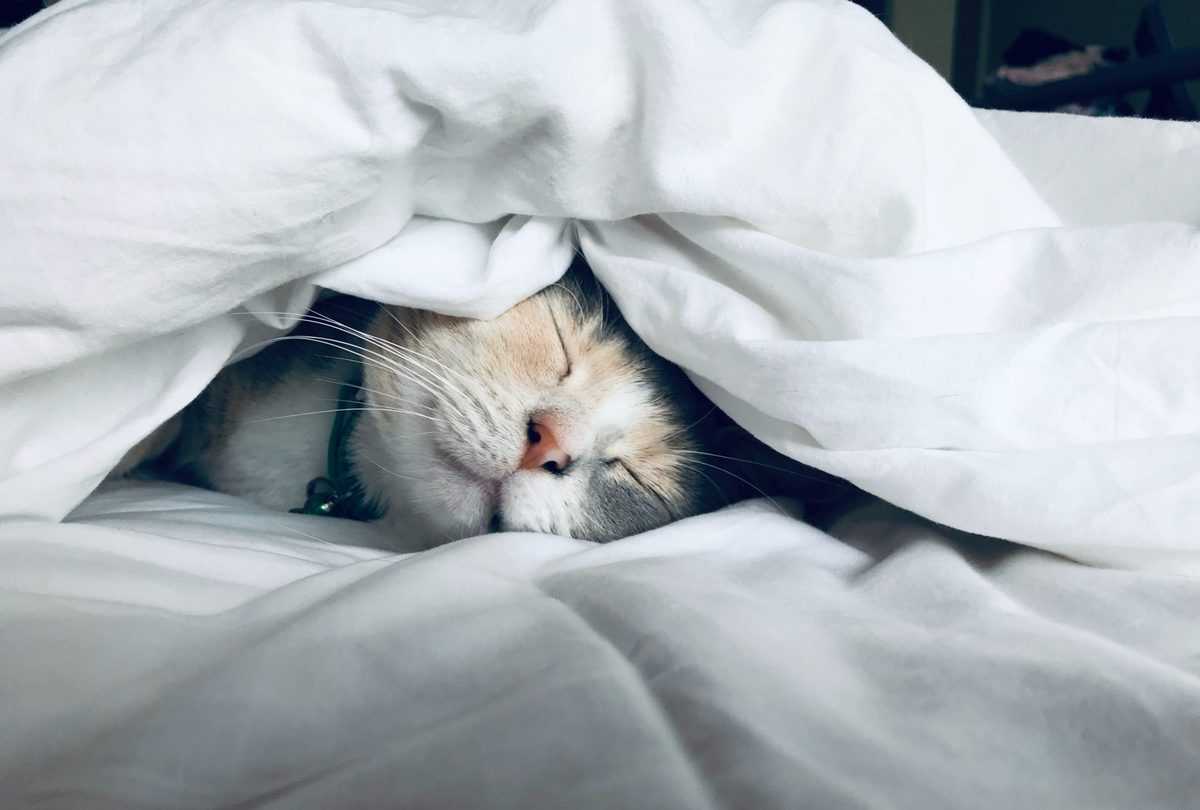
column 553, row 417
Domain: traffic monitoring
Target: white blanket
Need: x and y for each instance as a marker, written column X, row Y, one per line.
column 988, row 319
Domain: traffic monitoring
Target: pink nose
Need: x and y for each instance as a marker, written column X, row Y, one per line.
column 543, row 450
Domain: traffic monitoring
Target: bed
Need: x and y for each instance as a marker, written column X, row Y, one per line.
column 990, row 322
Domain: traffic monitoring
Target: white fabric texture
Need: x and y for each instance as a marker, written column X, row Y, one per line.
column 173, row 648
column 987, row 319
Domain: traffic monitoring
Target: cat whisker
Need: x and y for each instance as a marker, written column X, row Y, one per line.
column 710, row 480
column 386, row 395
column 578, row 304
column 390, row 471
column 400, row 323
column 373, row 358
column 390, row 347
column 797, row 473
column 342, row 410
column 684, row 430
column 242, row 354
column 414, row 337
column 389, row 350
column 399, row 360
column 747, row 482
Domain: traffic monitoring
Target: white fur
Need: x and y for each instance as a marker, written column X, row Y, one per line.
column 533, row 500
column 271, row 454
column 615, row 414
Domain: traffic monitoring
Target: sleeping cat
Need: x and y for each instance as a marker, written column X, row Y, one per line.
column 553, row 417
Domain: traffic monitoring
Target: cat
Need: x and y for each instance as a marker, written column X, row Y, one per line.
column 553, row 417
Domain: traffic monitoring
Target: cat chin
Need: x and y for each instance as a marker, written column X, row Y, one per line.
column 445, row 504
column 536, row 501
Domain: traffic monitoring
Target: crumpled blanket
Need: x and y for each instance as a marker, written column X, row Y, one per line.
column 174, row 648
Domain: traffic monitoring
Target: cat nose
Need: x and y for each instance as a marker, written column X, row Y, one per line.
column 543, row 450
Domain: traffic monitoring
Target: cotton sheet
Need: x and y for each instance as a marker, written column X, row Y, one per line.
column 990, row 320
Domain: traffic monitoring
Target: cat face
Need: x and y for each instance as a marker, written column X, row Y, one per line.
column 553, row 417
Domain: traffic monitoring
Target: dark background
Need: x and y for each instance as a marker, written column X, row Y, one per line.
column 965, row 40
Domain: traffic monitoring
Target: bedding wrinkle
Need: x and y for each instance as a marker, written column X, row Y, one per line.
column 685, row 758
column 911, row 664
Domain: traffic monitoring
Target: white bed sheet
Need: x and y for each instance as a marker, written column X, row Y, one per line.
column 172, row 648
